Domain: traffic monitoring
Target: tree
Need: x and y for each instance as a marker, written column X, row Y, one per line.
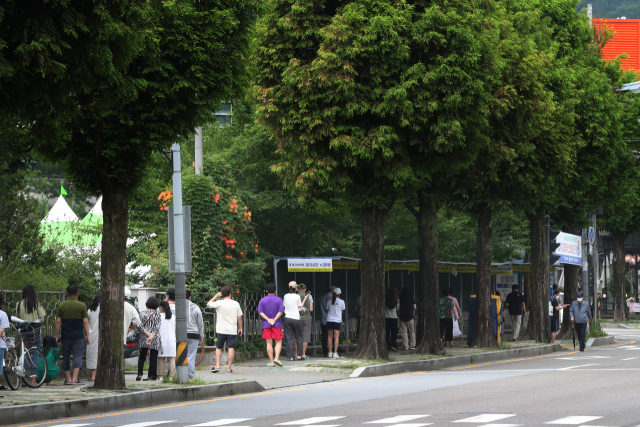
column 143, row 73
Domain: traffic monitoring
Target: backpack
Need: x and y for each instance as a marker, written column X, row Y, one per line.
column 446, row 307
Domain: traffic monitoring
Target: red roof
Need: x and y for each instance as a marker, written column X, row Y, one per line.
column 626, row 39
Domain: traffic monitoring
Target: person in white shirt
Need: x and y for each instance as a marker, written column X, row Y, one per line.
column 228, row 325
column 131, row 316
column 292, row 323
column 335, row 309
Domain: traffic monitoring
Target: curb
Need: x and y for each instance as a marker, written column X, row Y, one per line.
column 594, row 342
column 121, row 402
column 614, row 326
column 450, row 362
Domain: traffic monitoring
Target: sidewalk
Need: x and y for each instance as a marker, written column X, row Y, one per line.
column 315, row 369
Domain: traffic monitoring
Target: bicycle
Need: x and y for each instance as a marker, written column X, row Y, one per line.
column 19, row 368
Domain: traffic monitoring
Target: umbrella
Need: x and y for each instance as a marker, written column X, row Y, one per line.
column 573, row 332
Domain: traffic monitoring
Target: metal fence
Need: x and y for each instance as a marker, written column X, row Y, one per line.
column 49, row 301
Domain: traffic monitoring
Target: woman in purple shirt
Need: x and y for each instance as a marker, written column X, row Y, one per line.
column 271, row 309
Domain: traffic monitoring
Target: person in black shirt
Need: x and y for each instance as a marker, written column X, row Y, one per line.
column 555, row 318
column 407, row 323
column 517, row 310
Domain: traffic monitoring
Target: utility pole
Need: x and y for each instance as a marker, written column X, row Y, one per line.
column 199, row 160
column 596, row 266
column 590, row 14
column 179, row 275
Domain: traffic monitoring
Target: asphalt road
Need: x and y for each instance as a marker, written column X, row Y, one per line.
column 598, row 387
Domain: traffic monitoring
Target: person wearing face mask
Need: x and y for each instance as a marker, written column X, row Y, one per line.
column 580, row 316
column 555, row 318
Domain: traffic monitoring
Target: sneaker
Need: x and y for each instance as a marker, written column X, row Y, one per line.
column 215, row 370
column 515, row 339
column 335, row 356
column 406, row 349
column 413, row 348
column 330, row 355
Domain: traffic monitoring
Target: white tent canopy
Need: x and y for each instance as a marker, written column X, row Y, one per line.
column 61, row 212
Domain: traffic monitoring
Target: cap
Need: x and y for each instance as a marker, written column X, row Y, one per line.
column 127, row 292
column 580, row 295
column 302, row 286
column 293, row 284
column 337, row 291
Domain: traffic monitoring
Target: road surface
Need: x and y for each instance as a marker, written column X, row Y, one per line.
column 598, row 387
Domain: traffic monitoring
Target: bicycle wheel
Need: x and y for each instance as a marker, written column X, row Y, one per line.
column 200, row 353
column 9, row 370
column 34, row 353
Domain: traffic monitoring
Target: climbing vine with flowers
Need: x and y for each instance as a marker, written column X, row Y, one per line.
column 225, row 250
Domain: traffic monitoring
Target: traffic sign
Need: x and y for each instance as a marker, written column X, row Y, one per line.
column 592, row 235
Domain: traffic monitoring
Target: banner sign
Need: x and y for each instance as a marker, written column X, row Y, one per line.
column 402, row 267
column 311, row 264
column 634, row 307
column 570, row 250
column 345, row 265
column 504, row 283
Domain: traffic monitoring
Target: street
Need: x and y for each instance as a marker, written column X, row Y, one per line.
column 594, row 388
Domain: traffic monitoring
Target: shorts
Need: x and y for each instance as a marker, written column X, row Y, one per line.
column 272, row 334
column 306, row 330
column 334, row 326
column 554, row 325
column 73, row 348
column 229, row 339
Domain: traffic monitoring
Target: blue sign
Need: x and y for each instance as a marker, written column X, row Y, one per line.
column 592, row 235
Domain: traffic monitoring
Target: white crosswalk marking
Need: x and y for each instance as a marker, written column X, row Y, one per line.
column 148, row 423
column 485, row 418
column 397, row 419
column 573, row 420
column 410, row 425
column 501, row 425
column 222, row 422
column 71, row 425
column 307, row 421
column 631, row 358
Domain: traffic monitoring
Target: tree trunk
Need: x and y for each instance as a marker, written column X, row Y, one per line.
column 538, row 327
column 428, row 327
column 621, row 311
column 570, row 292
column 371, row 344
column 115, row 207
column 483, row 336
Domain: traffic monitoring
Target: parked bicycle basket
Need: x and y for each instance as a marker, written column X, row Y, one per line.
column 30, row 336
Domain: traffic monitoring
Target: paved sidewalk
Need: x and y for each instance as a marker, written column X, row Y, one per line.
column 314, row 369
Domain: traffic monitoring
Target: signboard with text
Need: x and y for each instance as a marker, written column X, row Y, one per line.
column 570, row 249
column 310, row 264
column 504, row 283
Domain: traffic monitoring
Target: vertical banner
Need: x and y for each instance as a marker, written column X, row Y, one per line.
column 570, row 249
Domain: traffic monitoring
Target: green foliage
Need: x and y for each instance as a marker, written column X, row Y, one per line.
column 595, row 330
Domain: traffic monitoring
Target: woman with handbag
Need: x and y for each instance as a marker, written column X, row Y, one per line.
column 150, row 322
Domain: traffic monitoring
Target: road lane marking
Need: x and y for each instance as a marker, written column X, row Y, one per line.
column 307, row 421
column 148, row 423
column 411, row 425
column 222, row 422
column 74, row 425
column 501, row 425
column 584, row 357
column 579, row 366
column 573, row 420
column 511, row 361
column 624, row 343
column 631, row 358
column 397, row 419
column 485, row 418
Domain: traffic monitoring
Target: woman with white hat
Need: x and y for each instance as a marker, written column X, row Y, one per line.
column 292, row 324
column 334, row 321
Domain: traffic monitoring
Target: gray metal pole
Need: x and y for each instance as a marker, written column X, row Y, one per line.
column 198, row 160
column 179, row 275
column 596, row 265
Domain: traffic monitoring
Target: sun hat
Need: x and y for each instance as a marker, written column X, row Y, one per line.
column 293, row 284
column 337, row 291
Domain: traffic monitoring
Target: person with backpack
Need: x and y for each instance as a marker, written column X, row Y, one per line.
column 447, row 313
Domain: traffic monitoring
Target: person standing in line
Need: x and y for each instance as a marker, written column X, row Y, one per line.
column 391, row 318
column 324, row 302
column 292, row 324
column 305, row 317
column 168, row 337
column 334, row 322
column 71, row 319
column 4, row 324
column 150, row 322
column 447, row 310
column 94, row 324
column 228, row 325
column 580, row 316
column 195, row 334
column 131, row 316
column 30, row 310
column 358, row 309
column 271, row 309
column 517, row 310
column 457, row 312
column 407, row 322
column 555, row 318
column 52, row 354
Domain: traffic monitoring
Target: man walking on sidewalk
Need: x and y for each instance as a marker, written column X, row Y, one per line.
column 324, row 301
column 71, row 319
column 271, row 309
column 228, row 325
column 195, row 334
column 580, row 316
column 517, row 310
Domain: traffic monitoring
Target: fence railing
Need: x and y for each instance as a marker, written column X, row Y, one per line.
column 49, row 301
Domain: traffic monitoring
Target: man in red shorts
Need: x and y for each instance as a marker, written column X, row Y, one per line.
column 271, row 309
